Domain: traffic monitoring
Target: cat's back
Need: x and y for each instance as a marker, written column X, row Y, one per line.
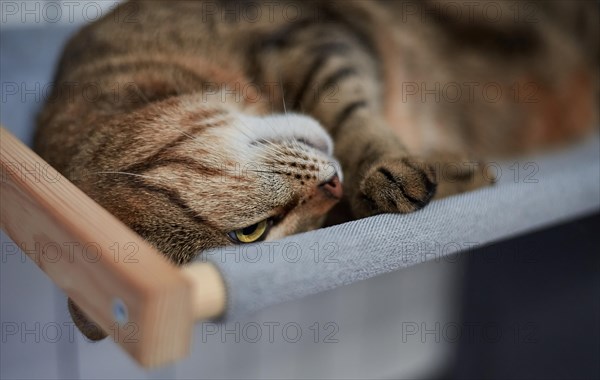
column 137, row 29
column 222, row 31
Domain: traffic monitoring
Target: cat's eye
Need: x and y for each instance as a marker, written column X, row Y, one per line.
column 251, row 233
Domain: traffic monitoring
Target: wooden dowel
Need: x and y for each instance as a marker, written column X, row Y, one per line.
column 208, row 290
column 116, row 278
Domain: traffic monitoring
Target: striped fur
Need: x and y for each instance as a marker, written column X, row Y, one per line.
column 180, row 87
column 191, row 119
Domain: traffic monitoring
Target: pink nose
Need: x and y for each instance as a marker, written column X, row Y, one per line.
column 332, row 187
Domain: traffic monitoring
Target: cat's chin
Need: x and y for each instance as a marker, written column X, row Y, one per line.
column 289, row 126
column 249, row 131
column 303, row 128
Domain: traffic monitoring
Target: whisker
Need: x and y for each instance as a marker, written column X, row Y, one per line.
column 283, row 98
column 207, row 121
column 131, row 174
column 246, row 126
column 249, row 128
column 183, row 132
column 263, row 171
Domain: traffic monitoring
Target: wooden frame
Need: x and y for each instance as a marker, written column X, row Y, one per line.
column 144, row 302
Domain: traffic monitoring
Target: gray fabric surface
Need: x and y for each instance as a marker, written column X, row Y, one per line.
column 27, row 62
column 546, row 190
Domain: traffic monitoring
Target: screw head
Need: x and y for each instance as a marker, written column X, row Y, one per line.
column 119, row 311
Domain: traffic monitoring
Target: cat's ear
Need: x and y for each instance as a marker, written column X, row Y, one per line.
column 88, row 328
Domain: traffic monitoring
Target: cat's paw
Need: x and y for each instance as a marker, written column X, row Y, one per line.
column 395, row 185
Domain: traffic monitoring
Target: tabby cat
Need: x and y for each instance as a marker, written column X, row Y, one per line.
column 201, row 124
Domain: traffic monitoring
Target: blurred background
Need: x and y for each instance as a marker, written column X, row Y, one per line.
column 528, row 307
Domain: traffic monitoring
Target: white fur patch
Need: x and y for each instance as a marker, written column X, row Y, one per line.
column 246, row 129
column 287, row 127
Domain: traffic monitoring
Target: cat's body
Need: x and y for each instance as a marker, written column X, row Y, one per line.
column 170, row 114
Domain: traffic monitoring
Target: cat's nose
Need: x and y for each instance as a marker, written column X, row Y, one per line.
column 333, row 187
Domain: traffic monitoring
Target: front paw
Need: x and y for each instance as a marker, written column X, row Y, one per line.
column 396, row 185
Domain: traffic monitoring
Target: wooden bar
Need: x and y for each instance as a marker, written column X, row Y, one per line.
column 209, row 296
column 121, row 282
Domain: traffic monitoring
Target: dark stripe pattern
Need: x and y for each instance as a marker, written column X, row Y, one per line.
column 155, row 159
column 322, row 55
column 400, row 186
column 173, row 197
column 345, row 114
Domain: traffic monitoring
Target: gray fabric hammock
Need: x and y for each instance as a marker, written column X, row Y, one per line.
column 545, row 190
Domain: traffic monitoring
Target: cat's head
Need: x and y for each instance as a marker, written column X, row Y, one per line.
column 188, row 177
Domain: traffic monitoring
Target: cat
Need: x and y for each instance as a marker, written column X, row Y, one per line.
column 207, row 123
